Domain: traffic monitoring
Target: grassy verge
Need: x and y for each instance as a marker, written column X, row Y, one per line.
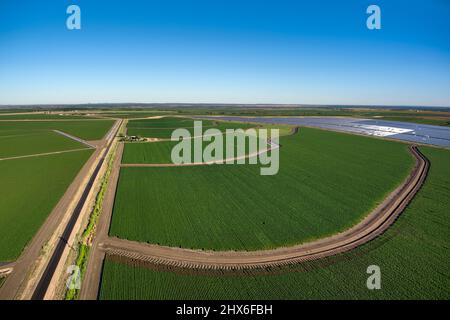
column 89, row 231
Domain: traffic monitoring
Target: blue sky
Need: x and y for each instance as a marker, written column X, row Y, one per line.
column 311, row 52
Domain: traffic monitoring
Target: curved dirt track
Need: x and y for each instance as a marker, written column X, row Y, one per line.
column 272, row 146
column 369, row 228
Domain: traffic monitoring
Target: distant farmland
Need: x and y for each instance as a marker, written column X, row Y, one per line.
column 413, row 256
column 42, row 116
column 163, row 128
column 84, row 129
column 327, row 182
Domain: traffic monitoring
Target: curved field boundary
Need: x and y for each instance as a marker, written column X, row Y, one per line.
column 153, row 139
column 272, row 146
column 369, row 228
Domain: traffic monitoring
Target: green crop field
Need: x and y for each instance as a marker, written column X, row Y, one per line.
column 133, row 114
column 21, row 143
column 165, row 122
column 30, row 188
column 413, row 256
column 160, row 152
column 163, row 128
column 321, row 188
column 41, row 116
column 84, row 129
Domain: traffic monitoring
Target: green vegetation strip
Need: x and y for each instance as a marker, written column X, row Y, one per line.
column 413, row 256
column 88, row 233
column 327, row 182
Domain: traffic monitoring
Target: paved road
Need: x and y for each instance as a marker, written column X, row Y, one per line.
column 92, row 276
column 47, row 276
column 16, row 281
column 404, row 131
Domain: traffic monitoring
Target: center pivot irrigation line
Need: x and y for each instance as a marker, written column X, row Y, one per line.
column 47, row 276
column 75, row 138
column 371, row 227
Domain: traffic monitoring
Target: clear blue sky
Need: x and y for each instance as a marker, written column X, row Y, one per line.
column 232, row 51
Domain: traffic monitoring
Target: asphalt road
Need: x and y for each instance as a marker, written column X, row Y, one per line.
column 47, row 276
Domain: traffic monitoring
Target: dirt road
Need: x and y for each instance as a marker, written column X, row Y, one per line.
column 372, row 226
column 377, row 222
column 46, row 278
column 271, row 146
column 91, row 281
column 34, row 255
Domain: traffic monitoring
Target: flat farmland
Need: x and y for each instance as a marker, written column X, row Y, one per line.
column 155, row 152
column 30, row 188
column 84, row 129
column 21, row 143
column 132, row 114
column 322, row 188
column 31, row 183
column 165, row 122
column 162, row 128
column 413, row 256
column 41, row 116
column 160, row 152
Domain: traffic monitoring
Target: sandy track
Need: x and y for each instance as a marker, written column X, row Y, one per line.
column 43, row 154
column 91, row 281
column 369, row 228
column 33, row 258
column 46, row 285
column 272, row 146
